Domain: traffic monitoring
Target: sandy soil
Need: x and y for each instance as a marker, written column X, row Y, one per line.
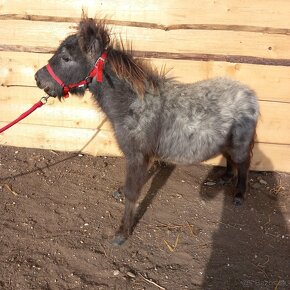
column 58, row 219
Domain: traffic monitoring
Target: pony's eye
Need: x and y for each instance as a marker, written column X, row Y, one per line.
column 66, row 58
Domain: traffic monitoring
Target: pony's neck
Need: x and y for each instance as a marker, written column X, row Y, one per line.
column 138, row 72
column 125, row 79
column 114, row 95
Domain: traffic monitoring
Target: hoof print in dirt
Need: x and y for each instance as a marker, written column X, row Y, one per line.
column 118, row 240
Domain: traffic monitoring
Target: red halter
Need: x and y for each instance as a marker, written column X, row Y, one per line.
column 97, row 72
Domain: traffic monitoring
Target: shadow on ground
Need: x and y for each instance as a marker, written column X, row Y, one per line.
column 251, row 248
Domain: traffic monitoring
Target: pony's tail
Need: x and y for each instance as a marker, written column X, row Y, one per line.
column 252, row 144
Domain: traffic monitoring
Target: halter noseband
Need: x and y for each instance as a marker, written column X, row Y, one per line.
column 97, row 72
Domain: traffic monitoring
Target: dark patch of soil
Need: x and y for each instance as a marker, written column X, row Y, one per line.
column 58, row 218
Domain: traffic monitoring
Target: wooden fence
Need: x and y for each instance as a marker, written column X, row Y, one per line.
column 245, row 40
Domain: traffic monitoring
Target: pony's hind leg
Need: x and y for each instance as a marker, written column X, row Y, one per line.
column 241, row 151
column 230, row 170
column 135, row 178
column 242, row 182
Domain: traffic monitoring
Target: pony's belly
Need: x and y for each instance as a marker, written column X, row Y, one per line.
column 182, row 148
column 187, row 160
column 186, row 155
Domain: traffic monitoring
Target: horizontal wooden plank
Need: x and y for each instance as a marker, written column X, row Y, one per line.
column 270, row 82
column 26, row 96
column 75, row 112
column 270, row 157
column 94, row 142
column 273, row 13
column 59, row 115
column 273, row 46
column 193, row 26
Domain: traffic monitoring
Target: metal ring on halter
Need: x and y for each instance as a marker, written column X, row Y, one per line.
column 44, row 99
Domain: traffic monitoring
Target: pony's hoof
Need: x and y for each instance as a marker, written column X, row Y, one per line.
column 119, row 240
column 118, row 195
column 238, row 201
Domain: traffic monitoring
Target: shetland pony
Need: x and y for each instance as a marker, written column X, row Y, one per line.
column 154, row 116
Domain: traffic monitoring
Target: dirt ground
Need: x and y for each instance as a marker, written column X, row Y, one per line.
column 58, row 218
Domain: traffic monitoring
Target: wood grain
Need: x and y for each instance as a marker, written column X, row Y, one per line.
column 237, row 43
column 233, row 27
column 270, row 13
column 168, row 55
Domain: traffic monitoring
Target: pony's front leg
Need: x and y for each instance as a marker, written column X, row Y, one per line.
column 135, row 178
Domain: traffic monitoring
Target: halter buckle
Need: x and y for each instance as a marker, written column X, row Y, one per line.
column 88, row 79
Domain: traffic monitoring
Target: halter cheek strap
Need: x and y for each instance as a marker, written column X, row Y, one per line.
column 96, row 72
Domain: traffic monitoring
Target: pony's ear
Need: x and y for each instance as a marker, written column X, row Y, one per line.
column 88, row 36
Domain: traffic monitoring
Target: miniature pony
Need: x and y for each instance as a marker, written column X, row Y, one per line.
column 154, row 116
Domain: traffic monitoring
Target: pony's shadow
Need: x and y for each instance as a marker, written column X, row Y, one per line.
column 250, row 245
column 160, row 172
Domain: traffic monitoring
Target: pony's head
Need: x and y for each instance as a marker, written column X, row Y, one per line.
column 74, row 59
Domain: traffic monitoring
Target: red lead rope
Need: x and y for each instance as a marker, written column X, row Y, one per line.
column 39, row 104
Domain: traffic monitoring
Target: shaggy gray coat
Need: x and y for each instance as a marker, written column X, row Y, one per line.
column 189, row 123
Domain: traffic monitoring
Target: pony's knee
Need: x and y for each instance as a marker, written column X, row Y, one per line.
column 131, row 195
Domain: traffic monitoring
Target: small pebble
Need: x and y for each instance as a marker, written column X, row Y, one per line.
column 256, row 185
column 116, row 272
column 131, row 275
column 210, row 183
column 262, row 181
